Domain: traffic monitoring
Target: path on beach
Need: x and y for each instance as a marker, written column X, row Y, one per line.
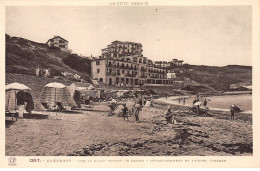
column 93, row 133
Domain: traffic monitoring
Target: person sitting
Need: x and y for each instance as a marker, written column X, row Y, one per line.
column 58, row 107
column 112, row 107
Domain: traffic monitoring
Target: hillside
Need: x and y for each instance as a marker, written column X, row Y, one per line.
column 217, row 77
column 24, row 56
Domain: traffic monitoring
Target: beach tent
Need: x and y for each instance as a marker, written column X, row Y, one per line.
column 78, row 89
column 11, row 91
column 53, row 93
column 79, row 86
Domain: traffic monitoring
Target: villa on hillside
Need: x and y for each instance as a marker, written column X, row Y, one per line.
column 59, row 42
column 177, row 62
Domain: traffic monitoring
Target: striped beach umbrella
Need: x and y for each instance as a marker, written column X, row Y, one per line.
column 56, row 92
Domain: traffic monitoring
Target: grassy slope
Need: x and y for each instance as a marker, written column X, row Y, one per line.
column 217, row 77
column 24, row 56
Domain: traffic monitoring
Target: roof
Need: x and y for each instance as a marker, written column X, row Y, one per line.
column 57, row 37
column 125, row 42
column 81, row 84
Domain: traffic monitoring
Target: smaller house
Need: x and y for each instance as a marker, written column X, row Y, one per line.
column 177, row 62
column 171, row 75
column 58, row 42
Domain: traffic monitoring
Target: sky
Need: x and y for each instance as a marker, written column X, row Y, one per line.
column 199, row 35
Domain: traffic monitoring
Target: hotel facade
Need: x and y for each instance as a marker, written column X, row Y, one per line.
column 122, row 63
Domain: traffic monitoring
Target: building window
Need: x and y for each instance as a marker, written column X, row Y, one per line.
column 123, row 71
column 98, row 70
column 97, row 62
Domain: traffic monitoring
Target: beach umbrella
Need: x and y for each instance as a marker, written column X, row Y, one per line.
column 55, row 85
column 56, row 92
column 10, row 95
column 11, row 98
column 197, row 103
column 16, row 86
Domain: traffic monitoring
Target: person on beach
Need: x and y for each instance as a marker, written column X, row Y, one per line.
column 20, row 103
column 179, row 100
column 169, row 115
column 137, row 111
column 183, row 101
column 151, row 100
column 140, row 101
column 232, row 111
column 125, row 110
column 112, row 107
column 205, row 103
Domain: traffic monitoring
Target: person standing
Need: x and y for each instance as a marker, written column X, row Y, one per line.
column 205, row 103
column 183, row 101
column 152, row 100
column 125, row 110
column 169, row 116
column 47, row 73
column 137, row 111
column 37, row 72
column 20, row 103
column 232, row 111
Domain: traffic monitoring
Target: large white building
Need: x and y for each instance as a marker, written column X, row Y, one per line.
column 122, row 63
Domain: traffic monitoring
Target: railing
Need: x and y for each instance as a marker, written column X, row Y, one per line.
column 111, row 74
column 144, row 69
column 110, row 65
column 130, row 75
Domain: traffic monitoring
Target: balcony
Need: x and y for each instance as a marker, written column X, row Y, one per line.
column 110, row 65
column 130, row 75
column 143, row 69
column 143, row 76
column 110, row 74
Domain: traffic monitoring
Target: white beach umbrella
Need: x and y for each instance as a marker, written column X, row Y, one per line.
column 55, row 85
column 197, row 103
column 16, row 86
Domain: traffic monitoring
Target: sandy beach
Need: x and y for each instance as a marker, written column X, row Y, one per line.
column 89, row 133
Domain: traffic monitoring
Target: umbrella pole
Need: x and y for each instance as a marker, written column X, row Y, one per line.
column 15, row 100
